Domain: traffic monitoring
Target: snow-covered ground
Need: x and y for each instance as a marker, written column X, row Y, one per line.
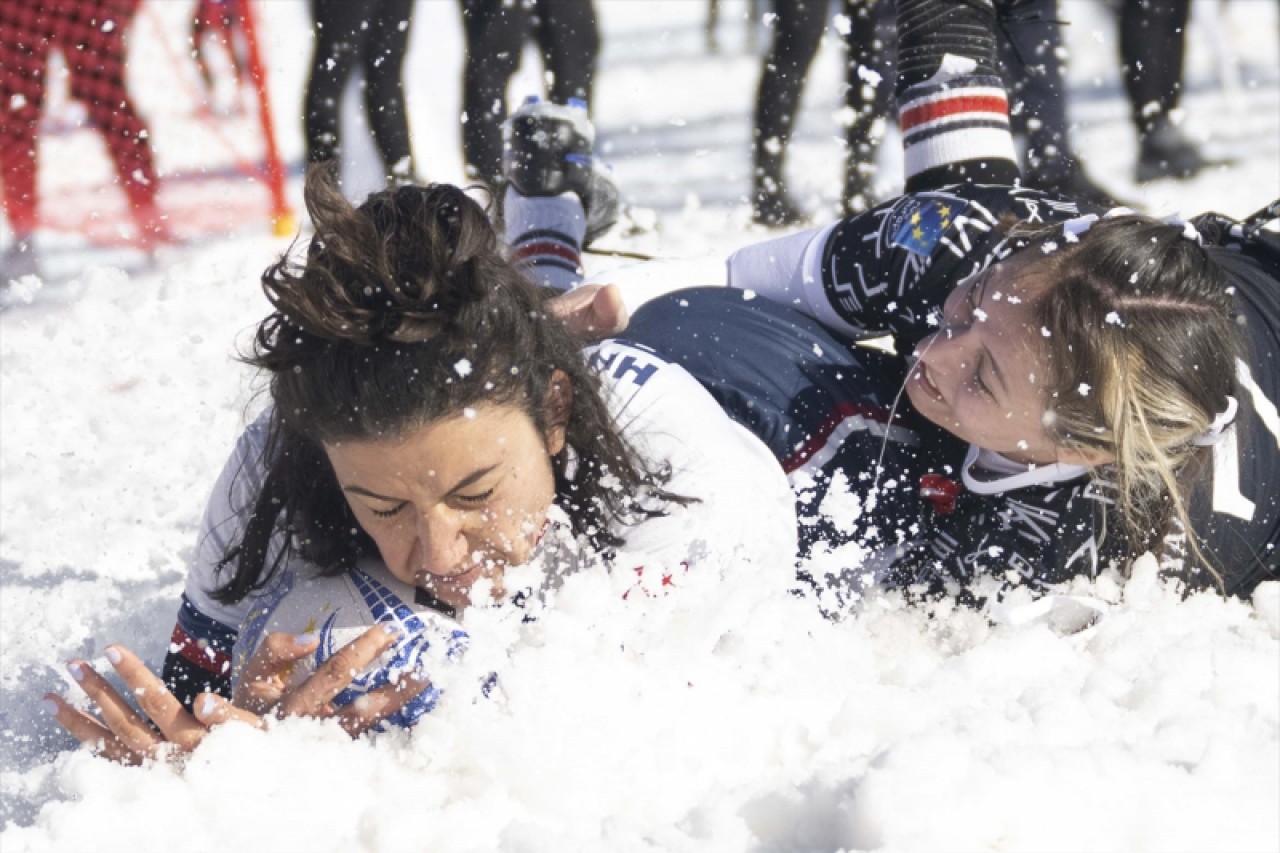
column 724, row 717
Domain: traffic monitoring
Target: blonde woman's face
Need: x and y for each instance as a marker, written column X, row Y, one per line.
column 981, row 375
column 454, row 501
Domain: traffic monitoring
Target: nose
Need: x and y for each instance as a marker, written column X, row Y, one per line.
column 442, row 542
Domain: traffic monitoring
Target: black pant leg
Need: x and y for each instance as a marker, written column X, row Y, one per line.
column 796, row 36
column 384, row 87
column 1152, row 47
column 339, row 41
column 495, row 33
column 569, row 40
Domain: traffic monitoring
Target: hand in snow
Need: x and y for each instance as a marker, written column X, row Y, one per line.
column 262, row 687
column 124, row 735
column 591, row 312
column 165, row 728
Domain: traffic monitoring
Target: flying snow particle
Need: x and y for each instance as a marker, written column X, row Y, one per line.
column 462, row 368
column 980, row 314
column 1114, row 319
column 748, row 295
column 1084, row 389
column 1049, row 247
column 1022, row 444
column 842, row 24
column 469, row 413
column 817, row 350
column 108, row 26
column 17, row 102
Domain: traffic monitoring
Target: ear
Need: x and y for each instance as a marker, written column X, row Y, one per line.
column 559, row 405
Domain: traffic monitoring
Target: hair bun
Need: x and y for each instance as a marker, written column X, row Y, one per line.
column 399, row 267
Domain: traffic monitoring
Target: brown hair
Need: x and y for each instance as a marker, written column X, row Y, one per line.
column 406, row 311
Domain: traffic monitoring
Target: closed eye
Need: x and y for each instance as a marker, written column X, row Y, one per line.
column 980, row 382
column 474, row 500
column 387, row 513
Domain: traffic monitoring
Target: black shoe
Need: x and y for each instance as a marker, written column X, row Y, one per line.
column 1066, row 177
column 776, row 209
column 547, row 151
column 1166, row 153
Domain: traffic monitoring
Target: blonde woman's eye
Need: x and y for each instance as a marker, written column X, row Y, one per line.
column 386, row 513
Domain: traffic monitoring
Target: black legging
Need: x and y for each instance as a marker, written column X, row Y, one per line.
column 1035, row 75
column 374, row 33
column 569, row 42
column 1152, row 47
column 797, row 35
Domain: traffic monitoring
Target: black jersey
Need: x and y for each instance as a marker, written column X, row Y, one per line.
column 888, row 272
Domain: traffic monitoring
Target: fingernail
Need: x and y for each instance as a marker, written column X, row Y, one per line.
column 208, row 705
column 304, row 639
column 77, row 670
column 113, row 655
column 50, row 707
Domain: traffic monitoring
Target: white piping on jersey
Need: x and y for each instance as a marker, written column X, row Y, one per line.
column 1267, row 412
column 1017, row 475
column 854, row 423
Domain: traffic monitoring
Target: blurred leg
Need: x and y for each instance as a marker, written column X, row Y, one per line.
column 24, row 33
column 569, row 39
column 869, row 55
column 339, row 41
column 384, row 86
column 495, row 33
column 797, row 34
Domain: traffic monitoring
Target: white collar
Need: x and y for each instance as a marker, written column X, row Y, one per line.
column 1010, row 475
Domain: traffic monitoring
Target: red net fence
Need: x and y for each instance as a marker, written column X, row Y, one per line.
column 127, row 122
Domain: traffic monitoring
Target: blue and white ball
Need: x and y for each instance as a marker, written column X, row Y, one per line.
column 339, row 609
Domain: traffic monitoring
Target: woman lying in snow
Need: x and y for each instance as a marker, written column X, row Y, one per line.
column 1080, row 386
column 433, row 428
column 1078, row 389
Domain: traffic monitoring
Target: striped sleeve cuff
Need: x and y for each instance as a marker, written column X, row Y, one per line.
column 959, row 120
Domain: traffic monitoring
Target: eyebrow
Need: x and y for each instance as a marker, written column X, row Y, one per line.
column 461, row 484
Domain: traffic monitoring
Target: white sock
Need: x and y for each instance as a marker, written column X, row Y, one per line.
column 545, row 235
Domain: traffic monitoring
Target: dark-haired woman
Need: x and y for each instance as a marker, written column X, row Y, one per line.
column 1071, row 387
column 430, row 418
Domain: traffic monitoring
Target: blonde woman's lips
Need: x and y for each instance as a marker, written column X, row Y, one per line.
column 922, row 377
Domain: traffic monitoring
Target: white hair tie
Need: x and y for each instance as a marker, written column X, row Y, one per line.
column 1220, row 423
column 1073, row 228
column 1189, row 231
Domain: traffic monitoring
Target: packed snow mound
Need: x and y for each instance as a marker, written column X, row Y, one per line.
column 725, row 716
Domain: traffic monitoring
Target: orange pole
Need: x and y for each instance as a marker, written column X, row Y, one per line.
column 282, row 217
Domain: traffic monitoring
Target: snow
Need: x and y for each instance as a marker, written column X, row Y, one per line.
column 722, row 716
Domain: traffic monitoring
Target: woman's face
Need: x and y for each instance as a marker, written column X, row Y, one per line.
column 981, row 375
column 454, row 501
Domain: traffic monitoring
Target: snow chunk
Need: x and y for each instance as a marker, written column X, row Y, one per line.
column 462, row 367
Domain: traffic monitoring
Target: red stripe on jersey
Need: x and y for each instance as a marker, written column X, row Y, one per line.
column 822, row 434
column 543, row 248
column 198, row 652
column 951, row 106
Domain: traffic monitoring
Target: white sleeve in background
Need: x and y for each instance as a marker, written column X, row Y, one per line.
column 788, row 271
column 745, row 507
column 647, row 280
column 224, row 521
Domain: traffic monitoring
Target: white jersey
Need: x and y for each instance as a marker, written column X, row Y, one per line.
column 743, row 509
